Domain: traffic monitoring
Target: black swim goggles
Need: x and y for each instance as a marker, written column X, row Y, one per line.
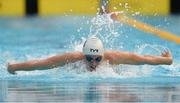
column 89, row 58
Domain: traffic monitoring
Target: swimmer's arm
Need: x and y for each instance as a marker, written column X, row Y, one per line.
column 51, row 62
column 118, row 57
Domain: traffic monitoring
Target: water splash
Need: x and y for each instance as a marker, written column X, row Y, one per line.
column 104, row 27
column 150, row 49
column 5, row 58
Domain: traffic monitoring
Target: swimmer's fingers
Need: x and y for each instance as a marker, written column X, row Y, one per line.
column 9, row 69
column 166, row 53
column 162, row 53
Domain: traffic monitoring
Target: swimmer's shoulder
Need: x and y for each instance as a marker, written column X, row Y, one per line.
column 110, row 53
column 114, row 56
column 77, row 55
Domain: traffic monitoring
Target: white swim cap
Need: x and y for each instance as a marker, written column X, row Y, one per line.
column 93, row 46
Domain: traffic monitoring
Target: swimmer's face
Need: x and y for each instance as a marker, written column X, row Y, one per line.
column 93, row 61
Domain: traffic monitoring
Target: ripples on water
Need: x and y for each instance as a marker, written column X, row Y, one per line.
column 30, row 91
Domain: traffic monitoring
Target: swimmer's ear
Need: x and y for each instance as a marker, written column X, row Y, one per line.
column 9, row 69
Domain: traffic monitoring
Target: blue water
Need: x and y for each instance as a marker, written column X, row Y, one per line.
column 30, row 38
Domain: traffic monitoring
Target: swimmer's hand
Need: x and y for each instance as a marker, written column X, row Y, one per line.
column 114, row 16
column 9, row 68
column 167, row 55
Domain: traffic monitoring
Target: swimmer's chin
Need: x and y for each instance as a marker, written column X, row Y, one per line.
column 92, row 68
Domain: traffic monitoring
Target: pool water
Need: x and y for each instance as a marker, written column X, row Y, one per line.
column 30, row 38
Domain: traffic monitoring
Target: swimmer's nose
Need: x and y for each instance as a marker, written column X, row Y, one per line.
column 94, row 63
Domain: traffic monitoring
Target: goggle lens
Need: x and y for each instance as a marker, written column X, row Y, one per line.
column 90, row 58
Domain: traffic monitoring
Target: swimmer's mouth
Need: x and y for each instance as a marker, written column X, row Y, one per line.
column 92, row 68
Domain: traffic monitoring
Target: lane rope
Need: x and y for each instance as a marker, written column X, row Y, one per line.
column 146, row 27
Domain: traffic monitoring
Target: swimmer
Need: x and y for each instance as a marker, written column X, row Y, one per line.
column 93, row 55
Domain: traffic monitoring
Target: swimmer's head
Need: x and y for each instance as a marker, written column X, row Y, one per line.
column 94, row 51
column 93, row 46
